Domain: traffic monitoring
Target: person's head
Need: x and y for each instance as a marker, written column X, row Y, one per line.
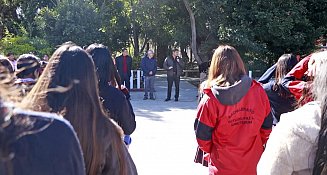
column 28, row 66
column 104, row 65
column 124, row 52
column 150, row 53
column 46, row 57
column 175, row 53
column 68, row 86
column 320, row 94
column 6, row 65
column 226, row 67
column 284, row 65
column 11, row 56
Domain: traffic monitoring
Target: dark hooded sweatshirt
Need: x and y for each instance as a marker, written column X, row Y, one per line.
column 48, row 145
column 119, row 107
column 233, row 123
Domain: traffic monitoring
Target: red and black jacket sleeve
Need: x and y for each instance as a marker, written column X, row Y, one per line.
column 267, row 124
column 204, row 124
column 294, row 82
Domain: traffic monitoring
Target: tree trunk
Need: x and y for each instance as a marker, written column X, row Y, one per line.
column 162, row 50
column 135, row 31
column 193, row 28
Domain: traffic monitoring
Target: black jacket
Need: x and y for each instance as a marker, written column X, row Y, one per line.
column 120, row 68
column 278, row 104
column 169, row 62
column 119, row 107
column 51, row 147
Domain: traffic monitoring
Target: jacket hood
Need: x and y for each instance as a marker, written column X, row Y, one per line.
column 232, row 94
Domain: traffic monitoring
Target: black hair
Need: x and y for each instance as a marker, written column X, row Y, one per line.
column 175, row 50
column 27, row 64
column 105, row 67
column 9, row 54
column 4, row 62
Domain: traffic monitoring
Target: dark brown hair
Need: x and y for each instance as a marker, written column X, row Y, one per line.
column 284, row 65
column 27, row 64
column 68, row 86
column 104, row 64
column 4, row 62
column 226, row 67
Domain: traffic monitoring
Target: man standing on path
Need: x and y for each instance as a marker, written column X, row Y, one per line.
column 149, row 68
column 124, row 67
column 174, row 66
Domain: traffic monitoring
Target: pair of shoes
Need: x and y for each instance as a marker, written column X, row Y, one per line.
column 176, row 99
column 167, row 99
column 145, row 98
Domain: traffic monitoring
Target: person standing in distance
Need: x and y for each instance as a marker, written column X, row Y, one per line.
column 12, row 59
column 124, row 67
column 149, row 68
column 174, row 66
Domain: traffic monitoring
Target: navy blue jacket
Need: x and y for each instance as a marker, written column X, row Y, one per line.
column 279, row 105
column 119, row 108
column 119, row 65
column 51, row 147
column 268, row 75
column 148, row 65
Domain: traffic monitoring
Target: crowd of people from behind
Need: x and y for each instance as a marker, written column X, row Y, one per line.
column 68, row 119
column 62, row 119
column 56, row 118
column 273, row 126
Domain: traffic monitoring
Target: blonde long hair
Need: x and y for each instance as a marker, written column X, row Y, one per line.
column 226, row 67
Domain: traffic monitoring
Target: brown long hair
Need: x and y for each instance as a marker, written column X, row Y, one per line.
column 68, row 86
column 226, row 67
column 285, row 64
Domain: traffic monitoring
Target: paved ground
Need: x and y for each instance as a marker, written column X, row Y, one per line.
column 164, row 141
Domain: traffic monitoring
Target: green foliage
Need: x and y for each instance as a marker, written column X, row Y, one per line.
column 136, row 62
column 22, row 44
column 260, row 30
column 71, row 20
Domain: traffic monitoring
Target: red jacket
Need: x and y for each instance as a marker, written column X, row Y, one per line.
column 232, row 125
column 295, row 81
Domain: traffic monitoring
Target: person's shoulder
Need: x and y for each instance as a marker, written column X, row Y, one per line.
column 308, row 112
column 168, row 58
column 208, row 96
column 268, row 86
column 256, row 86
column 304, row 122
column 43, row 116
column 144, row 58
column 112, row 93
